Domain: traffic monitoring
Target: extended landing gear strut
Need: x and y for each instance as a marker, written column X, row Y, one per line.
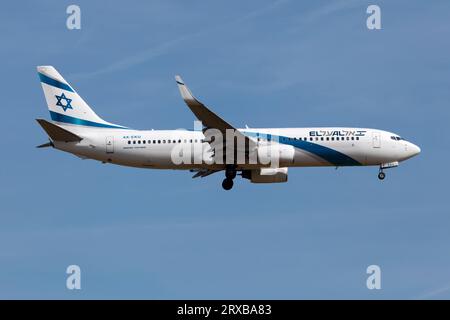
column 230, row 174
column 381, row 174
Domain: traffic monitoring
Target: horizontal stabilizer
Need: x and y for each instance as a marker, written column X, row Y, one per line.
column 57, row 133
column 45, row 145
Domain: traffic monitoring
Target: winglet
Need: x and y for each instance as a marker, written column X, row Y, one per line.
column 206, row 116
column 186, row 94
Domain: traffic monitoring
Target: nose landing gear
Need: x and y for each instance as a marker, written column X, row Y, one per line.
column 381, row 174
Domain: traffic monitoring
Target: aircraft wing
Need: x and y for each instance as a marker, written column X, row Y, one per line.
column 206, row 116
column 209, row 119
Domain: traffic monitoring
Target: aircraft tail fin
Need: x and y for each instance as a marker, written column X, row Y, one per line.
column 64, row 103
column 56, row 133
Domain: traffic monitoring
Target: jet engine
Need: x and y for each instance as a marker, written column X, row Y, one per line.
column 266, row 175
column 276, row 154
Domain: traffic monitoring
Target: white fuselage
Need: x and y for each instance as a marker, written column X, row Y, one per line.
column 301, row 147
column 260, row 155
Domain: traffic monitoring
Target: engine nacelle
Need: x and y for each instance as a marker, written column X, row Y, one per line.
column 266, row 175
column 276, row 154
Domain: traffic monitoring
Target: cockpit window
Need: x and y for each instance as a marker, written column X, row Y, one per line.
column 397, row 138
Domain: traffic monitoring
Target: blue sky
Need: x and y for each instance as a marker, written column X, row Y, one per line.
column 162, row 235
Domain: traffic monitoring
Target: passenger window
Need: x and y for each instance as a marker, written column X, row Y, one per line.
column 353, row 138
column 129, row 142
column 328, row 138
column 191, row 141
column 348, row 138
column 159, row 141
column 134, row 141
column 311, row 139
column 164, row 141
column 357, row 138
column 332, row 138
column 321, row 138
column 317, row 139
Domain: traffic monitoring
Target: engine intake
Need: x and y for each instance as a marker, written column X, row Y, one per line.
column 266, row 175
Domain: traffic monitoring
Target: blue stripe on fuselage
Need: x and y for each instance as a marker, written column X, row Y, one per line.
column 332, row 156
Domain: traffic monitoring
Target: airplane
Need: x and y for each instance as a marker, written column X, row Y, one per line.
column 75, row 128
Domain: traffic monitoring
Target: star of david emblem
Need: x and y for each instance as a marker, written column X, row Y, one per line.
column 67, row 102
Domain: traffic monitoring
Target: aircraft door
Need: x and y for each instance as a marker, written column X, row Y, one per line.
column 376, row 139
column 110, row 144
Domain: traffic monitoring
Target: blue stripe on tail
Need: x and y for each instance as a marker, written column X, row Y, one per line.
column 54, row 83
column 72, row 120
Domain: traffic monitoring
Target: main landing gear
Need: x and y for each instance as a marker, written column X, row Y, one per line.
column 230, row 174
column 227, row 184
column 381, row 175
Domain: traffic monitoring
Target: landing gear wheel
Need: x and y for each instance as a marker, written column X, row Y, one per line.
column 381, row 175
column 227, row 184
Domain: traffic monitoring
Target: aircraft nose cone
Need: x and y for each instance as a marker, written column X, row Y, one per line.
column 415, row 150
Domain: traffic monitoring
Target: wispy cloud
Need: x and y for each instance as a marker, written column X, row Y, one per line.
column 434, row 293
column 163, row 48
column 329, row 9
